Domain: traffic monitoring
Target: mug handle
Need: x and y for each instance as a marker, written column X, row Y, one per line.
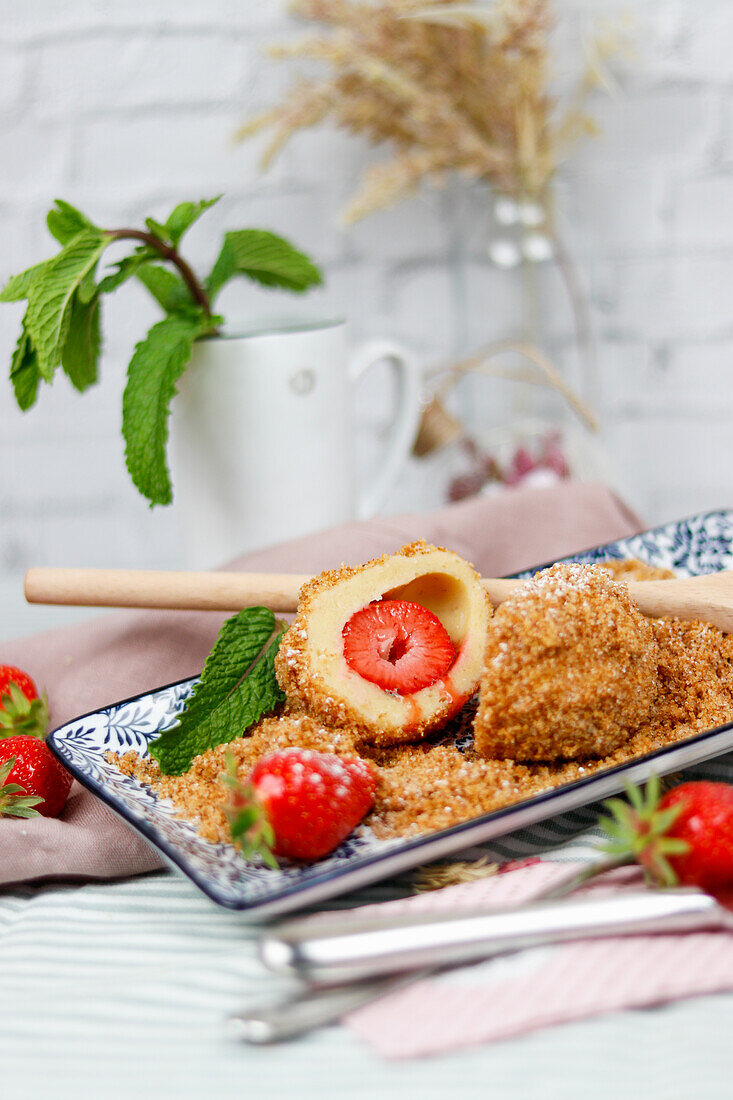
column 406, row 419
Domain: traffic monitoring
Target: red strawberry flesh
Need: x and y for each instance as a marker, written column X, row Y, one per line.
column 398, row 645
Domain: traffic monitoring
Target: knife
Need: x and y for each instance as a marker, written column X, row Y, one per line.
column 344, row 949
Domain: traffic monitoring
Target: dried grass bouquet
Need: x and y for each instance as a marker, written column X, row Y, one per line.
column 451, row 86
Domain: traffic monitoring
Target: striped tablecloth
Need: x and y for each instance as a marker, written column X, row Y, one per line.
column 119, row 990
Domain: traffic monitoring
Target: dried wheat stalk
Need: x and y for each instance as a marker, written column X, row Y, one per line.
column 451, row 87
column 437, row 875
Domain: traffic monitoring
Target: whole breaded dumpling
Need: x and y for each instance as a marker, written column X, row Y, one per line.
column 571, row 669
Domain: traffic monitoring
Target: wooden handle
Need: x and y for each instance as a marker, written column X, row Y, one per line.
column 154, row 588
column 709, row 598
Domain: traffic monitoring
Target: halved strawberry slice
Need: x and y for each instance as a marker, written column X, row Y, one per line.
column 398, row 645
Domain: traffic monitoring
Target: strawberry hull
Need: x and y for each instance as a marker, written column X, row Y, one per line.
column 37, row 771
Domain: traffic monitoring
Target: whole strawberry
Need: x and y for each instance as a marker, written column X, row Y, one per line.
column 298, row 803
column 34, row 773
column 685, row 837
column 22, row 711
column 705, row 823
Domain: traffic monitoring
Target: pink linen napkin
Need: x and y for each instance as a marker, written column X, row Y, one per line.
column 121, row 654
column 510, row 996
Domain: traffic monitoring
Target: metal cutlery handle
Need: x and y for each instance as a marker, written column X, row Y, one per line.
column 341, row 950
column 295, row 1014
column 309, row 1008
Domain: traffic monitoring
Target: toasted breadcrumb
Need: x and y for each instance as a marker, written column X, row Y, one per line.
column 570, row 668
column 631, row 569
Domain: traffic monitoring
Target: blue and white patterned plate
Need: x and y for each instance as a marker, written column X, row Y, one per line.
column 703, row 544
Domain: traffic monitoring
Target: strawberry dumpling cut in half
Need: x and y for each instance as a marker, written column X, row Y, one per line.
column 391, row 649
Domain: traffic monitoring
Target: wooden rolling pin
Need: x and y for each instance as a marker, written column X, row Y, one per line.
column 709, row 598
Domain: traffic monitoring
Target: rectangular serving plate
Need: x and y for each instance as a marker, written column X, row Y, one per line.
column 702, row 544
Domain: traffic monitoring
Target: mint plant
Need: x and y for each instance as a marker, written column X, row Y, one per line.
column 62, row 324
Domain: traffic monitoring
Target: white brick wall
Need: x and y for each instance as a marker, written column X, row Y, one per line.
column 129, row 106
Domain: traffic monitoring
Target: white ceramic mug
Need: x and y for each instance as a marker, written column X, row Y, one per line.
column 263, row 440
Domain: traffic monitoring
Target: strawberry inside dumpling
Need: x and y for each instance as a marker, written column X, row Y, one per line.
column 391, row 649
column 398, row 645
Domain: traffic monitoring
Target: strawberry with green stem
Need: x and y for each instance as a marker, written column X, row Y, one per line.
column 34, row 772
column 684, row 837
column 22, row 710
column 14, row 801
column 298, row 803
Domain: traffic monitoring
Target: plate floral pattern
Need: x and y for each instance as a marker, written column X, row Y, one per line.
column 703, row 544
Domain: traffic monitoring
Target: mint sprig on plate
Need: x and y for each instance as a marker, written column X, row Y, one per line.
column 237, row 687
column 62, row 323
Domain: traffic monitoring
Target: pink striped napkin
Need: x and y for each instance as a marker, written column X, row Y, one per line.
column 507, row 997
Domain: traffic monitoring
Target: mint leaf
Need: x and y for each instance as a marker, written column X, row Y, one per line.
column 24, row 373
column 80, row 352
column 168, row 289
column 241, row 640
column 264, row 257
column 238, row 685
column 65, row 222
column 156, row 365
column 157, row 229
column 126, row 268
column 184, row 215
column 88, row 286
column 17, row 286
column 179, row 220
column 51, row 292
